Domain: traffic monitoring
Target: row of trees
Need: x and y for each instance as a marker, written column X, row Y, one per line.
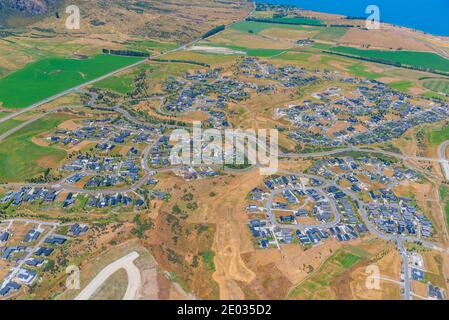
column 213, row 31
column 306, row 21
column 126, row 53
column 202, row 64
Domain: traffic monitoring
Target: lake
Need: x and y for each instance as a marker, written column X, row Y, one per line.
column 431, row 16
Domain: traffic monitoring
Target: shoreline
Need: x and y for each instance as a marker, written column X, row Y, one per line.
column 444, row 37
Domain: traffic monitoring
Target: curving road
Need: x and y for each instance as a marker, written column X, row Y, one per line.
column 134, row 278
column 443, row 161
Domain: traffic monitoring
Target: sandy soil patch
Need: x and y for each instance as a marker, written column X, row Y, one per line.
column 68, row 125
column 217, row 50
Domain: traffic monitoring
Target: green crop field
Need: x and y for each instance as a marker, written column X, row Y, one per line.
column 436, row 137
column 296, row 20
column 403, row 85
column 437, row 85
column 45, row 78
column 120, row 84
column 22, row 159
column 257, row 27
column 408, row 58
column 293, row 56
column 359, row 70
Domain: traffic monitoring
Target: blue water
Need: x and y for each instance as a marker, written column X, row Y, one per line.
column 430, row 16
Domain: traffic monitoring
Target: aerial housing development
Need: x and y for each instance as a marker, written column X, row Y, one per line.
column 94, row 206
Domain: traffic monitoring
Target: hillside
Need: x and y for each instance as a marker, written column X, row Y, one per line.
column 38, row 30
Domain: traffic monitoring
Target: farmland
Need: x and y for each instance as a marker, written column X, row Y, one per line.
column 25, row 159
column 47, row 77
column 437, row 85
column 319, row 285
column 120, row 84
column 257, row 27
column 444, row 194
column 403, row 85
column 291, row 20
column 438, row 136
column 414, row 59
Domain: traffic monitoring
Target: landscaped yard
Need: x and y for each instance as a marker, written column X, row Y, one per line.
column 45, row 78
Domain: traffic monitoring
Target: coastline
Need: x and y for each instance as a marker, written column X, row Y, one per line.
column 287, row 3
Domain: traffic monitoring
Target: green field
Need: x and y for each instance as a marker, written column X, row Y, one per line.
column 120, row 84
column 293, row 56
column 19, row 156
column 257, row 27
column 295, row 20
column 149, row 45
column 433, row 95
column 2, row 114
column 359, row 70
column 318, row 286
column 437, row 85
column 208, row 259
column 403, row 85
column 437, row 137
column 408, row 58
column 8, row 125
column 45, row 78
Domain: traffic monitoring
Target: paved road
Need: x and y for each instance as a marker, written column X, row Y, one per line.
column 37, row 117
column 134, row 278
column 444, row 163
column 405, row 270
column 61, row 94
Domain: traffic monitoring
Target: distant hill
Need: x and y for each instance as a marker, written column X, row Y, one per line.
column 22, row 12
column 177, row 20
column 31, row 7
